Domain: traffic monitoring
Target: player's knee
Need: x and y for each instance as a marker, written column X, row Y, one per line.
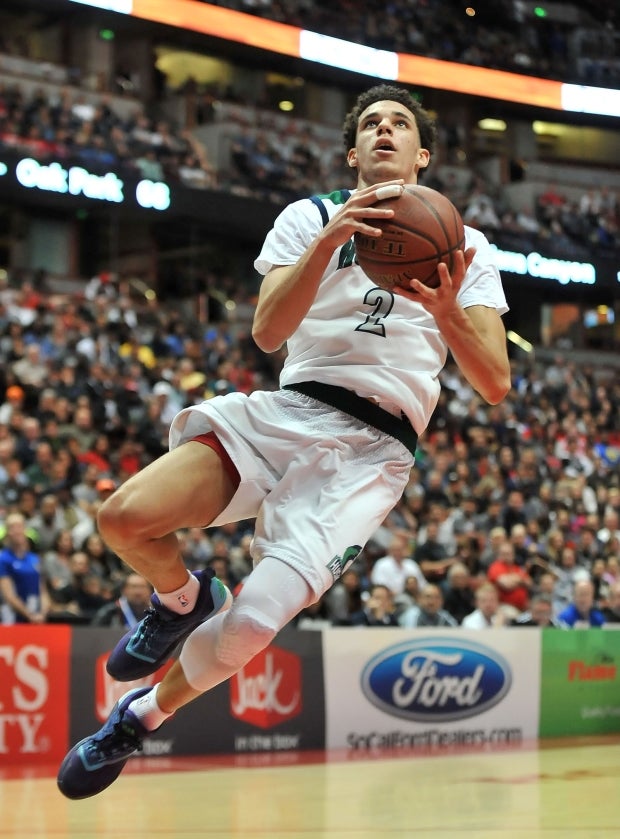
column 119, row 520
column 245, row 632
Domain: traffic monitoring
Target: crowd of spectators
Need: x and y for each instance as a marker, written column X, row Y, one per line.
column 283, row 164
column 565, row 225
column 279, row 159
column 505, row 36
column 67, row 128
column 512, row 512
column 282, row 159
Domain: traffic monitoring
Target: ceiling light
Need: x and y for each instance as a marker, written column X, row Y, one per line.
column 490, row 124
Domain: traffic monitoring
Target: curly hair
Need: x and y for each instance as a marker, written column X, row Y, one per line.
column 424, row 121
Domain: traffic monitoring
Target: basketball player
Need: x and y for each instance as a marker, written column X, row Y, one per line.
column 321, row 461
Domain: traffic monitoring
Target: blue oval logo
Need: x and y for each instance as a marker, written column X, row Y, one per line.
column 436, row 679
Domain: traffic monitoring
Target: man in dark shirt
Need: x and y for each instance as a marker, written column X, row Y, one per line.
column 130, row 607
column 378, row 610
column 432, row 556
column 540, row 613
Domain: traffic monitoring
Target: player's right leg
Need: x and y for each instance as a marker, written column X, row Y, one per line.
column 271, row 596
column 187, row 487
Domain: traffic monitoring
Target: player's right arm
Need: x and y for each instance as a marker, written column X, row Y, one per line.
column 288, row 291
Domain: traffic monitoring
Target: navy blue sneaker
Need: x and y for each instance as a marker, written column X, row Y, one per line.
column 144, row 649
column 96, row 761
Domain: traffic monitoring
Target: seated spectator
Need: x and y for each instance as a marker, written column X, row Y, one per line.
column 409, row 597
column 546, row 584
column 378, row 609
column 512, row 582
column 314, row 616
column 612, row 571
column 540, row 613
column 48, row 522
column 581, row 612
column 459, row 598
column 196, row 548
column 149, row 165
column 428, row 611
column 194, row 174
column 103, row 561
column 129, row 608
column 432, row 556
column 84, row 596
column 40, row 474
column 344, row 598
column 496, row 536
column 488, row 612
column 527, row 221
column 611, row 609
column 393, row 569
column 221, row 567
column 14, row 401
column 597, row 574
column 14, row 481
column 480, row 213
column 549, row 201
column 57, row 570
column 241, row 560
column 31, row 370
column 519, row 539
column 567, row 572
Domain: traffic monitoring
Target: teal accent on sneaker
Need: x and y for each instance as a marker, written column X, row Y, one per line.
column 144, row 649
column 97, row 761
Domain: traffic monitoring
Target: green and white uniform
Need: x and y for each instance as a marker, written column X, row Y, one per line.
column 320, row 479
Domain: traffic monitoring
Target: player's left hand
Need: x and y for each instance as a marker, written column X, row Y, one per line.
column 440, row 300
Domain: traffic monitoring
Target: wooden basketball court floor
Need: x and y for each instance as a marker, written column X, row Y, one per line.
column 552, row 790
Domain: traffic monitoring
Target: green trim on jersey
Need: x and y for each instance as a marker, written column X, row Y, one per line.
column 346, row 257
column 339, row 196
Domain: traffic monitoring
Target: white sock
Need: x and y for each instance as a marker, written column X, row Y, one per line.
column 183, row 599
column 148, row 711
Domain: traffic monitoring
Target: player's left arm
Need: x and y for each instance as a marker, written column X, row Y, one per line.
column 476, row 335
column 477, row 340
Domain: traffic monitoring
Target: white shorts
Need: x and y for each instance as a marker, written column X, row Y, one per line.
column 318, row 481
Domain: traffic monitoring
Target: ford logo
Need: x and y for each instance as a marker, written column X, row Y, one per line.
column 436, row 679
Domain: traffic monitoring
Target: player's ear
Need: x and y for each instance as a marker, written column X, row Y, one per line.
column 424, row 158
column 352, row 158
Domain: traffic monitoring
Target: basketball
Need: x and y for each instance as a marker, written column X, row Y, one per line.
column 426, row 229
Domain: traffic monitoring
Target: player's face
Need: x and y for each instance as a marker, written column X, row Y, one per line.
column 387, row 145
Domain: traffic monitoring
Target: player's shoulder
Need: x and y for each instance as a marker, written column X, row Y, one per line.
column 327, row 203
column 475, row 238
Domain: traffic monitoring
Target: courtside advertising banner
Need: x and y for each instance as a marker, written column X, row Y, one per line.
column 34, row 693
column 94, row 692
column 430, row 688
column 274, row 703
column 581, row 683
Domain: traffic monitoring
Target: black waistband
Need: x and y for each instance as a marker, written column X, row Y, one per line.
column 362, row 409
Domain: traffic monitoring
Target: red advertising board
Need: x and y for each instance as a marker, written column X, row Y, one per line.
column 268, row 690
column 34, row 693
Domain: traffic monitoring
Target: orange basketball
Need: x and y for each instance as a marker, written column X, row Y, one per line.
column 426, row 229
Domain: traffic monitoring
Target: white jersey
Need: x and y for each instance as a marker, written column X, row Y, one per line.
column 380, row 345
